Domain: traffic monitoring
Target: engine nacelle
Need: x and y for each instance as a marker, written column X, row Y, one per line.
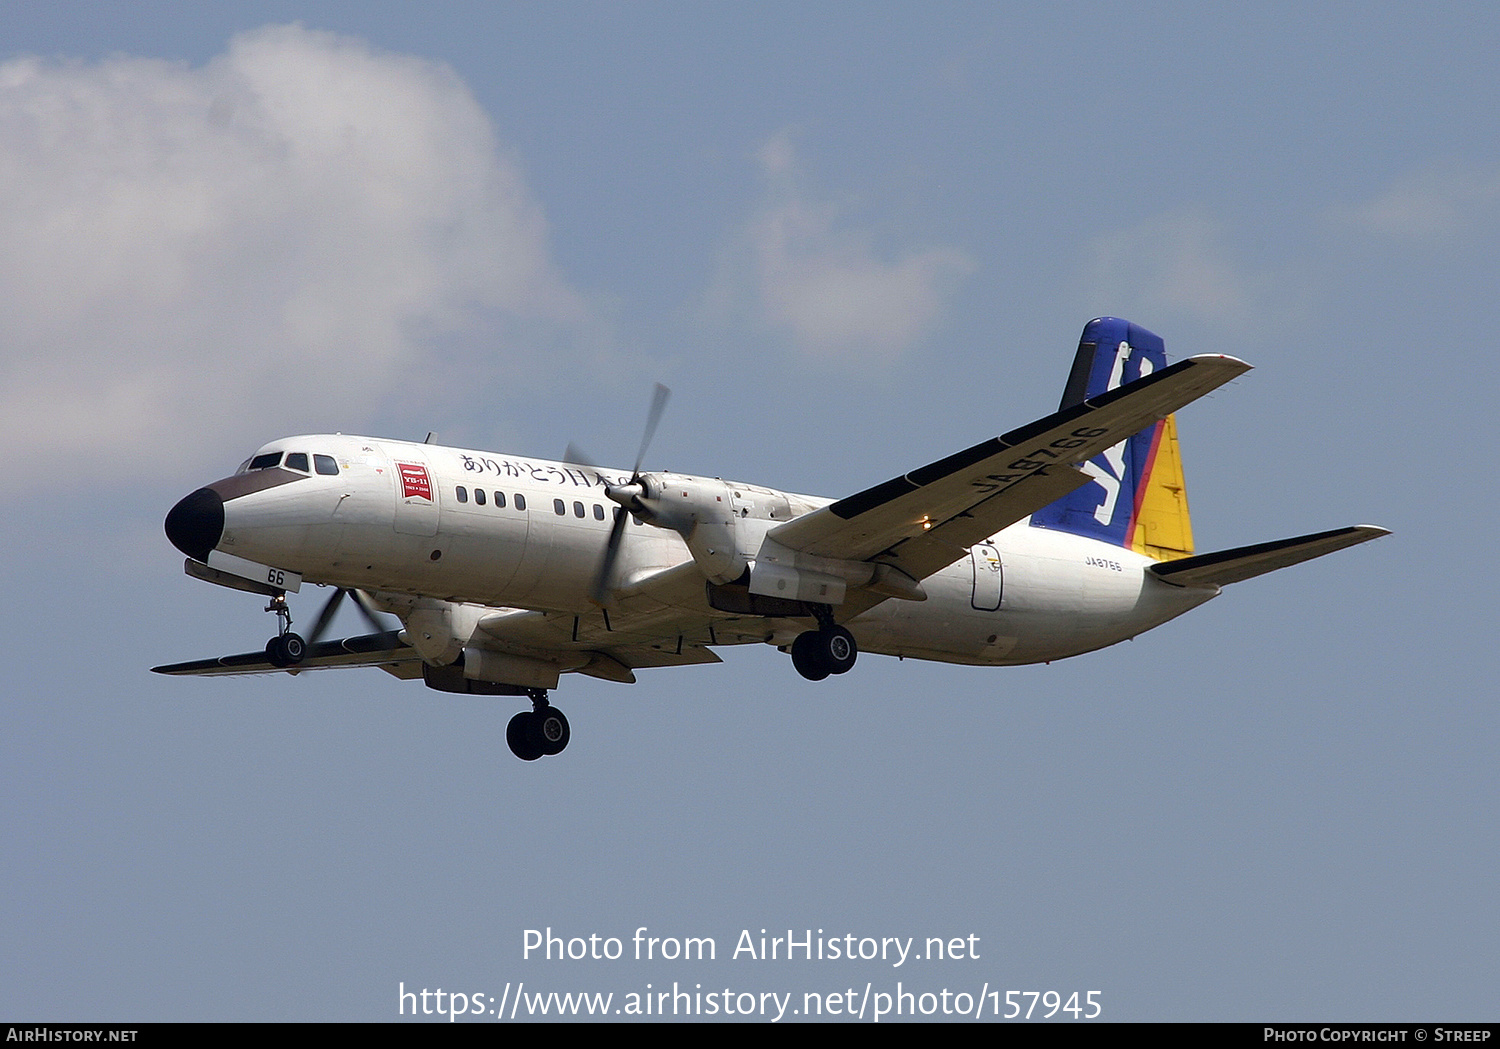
column 441, row 630
column 701, row 510
column 778, row 572
column 503, row 668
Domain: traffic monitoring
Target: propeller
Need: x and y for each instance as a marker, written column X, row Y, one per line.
column 331, row 606
column 630, row 495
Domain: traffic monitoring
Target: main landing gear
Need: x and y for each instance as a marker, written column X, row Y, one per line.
column 830, row 649
column 541, row 731
column 286, row 649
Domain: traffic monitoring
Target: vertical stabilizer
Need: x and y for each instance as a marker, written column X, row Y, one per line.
column 1138, row 499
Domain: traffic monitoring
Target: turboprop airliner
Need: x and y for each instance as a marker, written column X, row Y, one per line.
column 506, row 572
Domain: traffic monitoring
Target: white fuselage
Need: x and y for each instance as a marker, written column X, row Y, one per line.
column 498, row 531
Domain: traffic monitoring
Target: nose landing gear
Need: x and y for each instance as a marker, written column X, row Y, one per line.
column 286, row 649
column 539, row 732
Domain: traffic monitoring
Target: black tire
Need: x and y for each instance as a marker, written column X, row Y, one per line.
column 286, row 650
column 519, row 737
column 549, row 730
column 808, row 656
column 838, row 649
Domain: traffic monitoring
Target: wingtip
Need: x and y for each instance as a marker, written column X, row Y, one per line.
column 1221, row 359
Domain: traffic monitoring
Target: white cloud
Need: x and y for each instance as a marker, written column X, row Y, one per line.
column 1171, row 264
column 824, row 284
column 189, row 250
column 1431, row 206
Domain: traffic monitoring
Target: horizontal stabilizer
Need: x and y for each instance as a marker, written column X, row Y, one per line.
column 1247, row 562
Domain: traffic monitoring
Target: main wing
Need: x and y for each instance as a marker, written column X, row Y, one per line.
column 661, row 620
column 385, row 650
column 924, row 520
column 543, row 640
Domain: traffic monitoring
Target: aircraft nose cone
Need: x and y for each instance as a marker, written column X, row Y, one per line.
column 196, row 524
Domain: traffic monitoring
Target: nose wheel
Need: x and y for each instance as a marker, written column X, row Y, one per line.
column 286, row 649
column 540, row 732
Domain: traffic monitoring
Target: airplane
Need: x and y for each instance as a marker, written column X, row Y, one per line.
column 1058, row 538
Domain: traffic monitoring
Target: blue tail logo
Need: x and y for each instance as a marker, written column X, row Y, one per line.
column 1138, row 498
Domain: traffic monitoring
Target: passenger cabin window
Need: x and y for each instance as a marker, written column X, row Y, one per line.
column 577, row 509
column 479, row 497
column 326, row 464
column 463, row 494
column 296, row 461
column 560, row 508
column 598, row 512
column 264, row 462
column 520, row 501
column 500, row 500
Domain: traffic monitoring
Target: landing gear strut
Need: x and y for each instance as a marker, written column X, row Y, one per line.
column 286, row 649
column 539, row 732
column 828, row 650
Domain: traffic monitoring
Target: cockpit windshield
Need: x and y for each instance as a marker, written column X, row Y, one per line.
column 323, row 464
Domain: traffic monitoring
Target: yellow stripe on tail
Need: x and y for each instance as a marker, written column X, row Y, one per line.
column 1162, row 528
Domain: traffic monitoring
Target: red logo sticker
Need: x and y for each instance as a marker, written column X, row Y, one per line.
column 414, row 481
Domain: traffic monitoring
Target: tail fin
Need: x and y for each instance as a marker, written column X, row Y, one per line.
column 1138, row 499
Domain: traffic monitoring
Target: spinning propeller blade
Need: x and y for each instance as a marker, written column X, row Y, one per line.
column 658, row 405
column 331, row 606
column 625, row 495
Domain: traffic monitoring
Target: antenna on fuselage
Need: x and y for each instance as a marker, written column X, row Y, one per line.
column 431, row 438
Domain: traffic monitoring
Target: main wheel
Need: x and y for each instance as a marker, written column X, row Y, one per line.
column 808, row 656
column 519, row 737
column 549, row 730
column 839, row 650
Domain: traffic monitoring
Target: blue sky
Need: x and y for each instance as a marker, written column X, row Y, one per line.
column 853, row 239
